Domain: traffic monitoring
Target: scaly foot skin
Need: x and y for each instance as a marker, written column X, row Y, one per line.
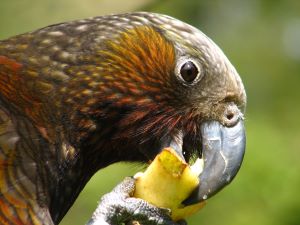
column 118, row 207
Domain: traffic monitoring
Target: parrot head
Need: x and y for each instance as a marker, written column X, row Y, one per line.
column 156, row 82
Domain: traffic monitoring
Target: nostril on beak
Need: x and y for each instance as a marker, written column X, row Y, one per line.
column 231, row 116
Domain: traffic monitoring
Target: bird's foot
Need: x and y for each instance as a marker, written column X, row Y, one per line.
column 118, row 208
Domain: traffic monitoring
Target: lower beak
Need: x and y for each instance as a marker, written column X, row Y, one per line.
column 223, row 150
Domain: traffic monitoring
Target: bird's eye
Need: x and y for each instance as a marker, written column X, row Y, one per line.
column 189, row 71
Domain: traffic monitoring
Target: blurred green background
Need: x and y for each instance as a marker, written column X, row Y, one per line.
column 262, row 39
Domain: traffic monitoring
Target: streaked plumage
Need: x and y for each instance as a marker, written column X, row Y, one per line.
column 78, row 96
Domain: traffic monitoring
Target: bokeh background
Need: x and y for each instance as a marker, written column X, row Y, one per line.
column 262, row 39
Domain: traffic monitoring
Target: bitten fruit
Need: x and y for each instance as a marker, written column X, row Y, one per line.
column 168, row 181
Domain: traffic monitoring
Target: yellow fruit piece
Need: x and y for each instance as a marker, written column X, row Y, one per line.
column 167, row 182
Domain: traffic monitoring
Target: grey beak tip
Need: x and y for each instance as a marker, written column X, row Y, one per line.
column 223, row 152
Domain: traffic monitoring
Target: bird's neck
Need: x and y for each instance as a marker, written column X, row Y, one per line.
column 70, row 180
column 80, row 154
column 83, row 153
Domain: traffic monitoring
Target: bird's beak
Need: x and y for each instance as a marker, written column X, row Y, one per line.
column 223, row 149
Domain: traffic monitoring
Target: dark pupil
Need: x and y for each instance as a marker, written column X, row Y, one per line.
column 189, row 71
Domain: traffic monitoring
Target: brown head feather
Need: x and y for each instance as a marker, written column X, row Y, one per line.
column 134, row 70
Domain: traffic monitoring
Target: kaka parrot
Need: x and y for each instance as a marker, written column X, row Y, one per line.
column 78, row 96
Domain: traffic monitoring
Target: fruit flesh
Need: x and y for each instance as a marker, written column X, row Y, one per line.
column 168, row 181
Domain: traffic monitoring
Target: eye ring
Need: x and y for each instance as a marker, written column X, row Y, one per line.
column 189, row 72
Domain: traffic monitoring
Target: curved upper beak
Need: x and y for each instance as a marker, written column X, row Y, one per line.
column 223, row 150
